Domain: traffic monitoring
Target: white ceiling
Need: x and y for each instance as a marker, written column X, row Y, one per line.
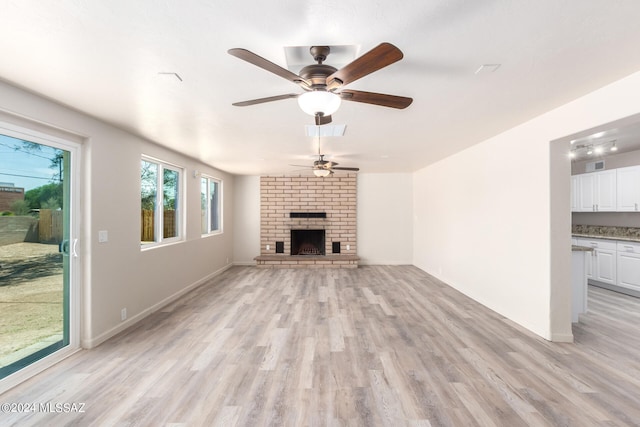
column 104, row 58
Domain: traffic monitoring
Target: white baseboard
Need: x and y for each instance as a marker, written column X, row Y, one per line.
column 562, row 337
column 94, row 342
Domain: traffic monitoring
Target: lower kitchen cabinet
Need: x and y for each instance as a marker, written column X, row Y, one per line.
column 628, row 265
column 601, row 263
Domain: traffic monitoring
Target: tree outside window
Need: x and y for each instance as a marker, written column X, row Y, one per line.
column 159, row 201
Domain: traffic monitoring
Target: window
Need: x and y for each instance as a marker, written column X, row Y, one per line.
column 160, row 199
column 211, row 203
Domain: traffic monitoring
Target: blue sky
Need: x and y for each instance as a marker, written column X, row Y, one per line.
column 25, row 168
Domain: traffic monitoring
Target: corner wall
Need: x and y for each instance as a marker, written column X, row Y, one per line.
column 500, row 232
column 117, row 274
column 385, row 218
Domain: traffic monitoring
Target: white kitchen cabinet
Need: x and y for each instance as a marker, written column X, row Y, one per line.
column 586, row 192
column 596, row 192
column 600, row 265
column 589, row 257
column 605, row 191
column 575, row 195
column 605, row 268
column 628, row 265
column 628, row 189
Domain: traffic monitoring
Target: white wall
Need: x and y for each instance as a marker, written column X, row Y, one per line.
column 246, row 243
column 487, row 226
column 117, row 274
column 385, row 212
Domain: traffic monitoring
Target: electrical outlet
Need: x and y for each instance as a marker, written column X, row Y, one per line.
column 268, row 247
column 123, row 314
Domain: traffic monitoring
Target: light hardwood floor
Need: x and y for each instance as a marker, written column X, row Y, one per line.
column 373, row 346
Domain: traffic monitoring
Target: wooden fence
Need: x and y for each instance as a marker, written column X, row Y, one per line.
column 50, row 227
column 147, row 221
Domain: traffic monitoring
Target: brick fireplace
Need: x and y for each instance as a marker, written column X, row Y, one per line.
column 307, row 221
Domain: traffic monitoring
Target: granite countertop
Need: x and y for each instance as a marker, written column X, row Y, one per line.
column 578, row 248
column 629, row 234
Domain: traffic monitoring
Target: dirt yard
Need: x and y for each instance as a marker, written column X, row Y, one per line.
column 30, row 299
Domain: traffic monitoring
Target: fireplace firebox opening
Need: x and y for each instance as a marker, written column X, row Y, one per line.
column 307, row 242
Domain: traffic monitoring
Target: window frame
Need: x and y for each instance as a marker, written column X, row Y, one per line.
column 180, row 206
column 207, row 206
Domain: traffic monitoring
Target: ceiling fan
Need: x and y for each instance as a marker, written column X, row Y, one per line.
column 323, row 84
column 322, row 167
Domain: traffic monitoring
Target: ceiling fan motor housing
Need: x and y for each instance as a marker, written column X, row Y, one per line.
column 317, row 74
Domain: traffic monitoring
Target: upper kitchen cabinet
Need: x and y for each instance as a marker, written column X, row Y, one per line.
column 596, row 192
column 628, row 189
column 575, row 195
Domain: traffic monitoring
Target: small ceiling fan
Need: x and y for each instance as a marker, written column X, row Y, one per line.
column 322, row 167
column 324, row 84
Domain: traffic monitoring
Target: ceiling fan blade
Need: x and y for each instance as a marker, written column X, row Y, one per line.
column 346, row 169
column 303, row 166
column 382, row 99
column 263, row 100
column 322, row 120
column 265, row 64
column 379, row 57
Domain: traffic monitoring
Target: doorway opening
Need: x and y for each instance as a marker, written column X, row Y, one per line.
column 38, row 247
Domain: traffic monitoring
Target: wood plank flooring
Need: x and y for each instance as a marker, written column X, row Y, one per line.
column 373, row 346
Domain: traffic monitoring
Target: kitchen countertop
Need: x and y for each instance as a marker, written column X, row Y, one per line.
column 578, row 248
column 628, row 234
column 607, row 237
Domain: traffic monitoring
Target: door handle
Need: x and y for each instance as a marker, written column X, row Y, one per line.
column 74, row 248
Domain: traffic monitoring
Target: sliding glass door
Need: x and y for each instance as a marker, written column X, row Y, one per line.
column 37, row 249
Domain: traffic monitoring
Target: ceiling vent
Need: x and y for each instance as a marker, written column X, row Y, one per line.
column 595, row 166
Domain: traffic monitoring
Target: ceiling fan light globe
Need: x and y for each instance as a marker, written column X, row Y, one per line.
column 321, row 172
column 319, row 102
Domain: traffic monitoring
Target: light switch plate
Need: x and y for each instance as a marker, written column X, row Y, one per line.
column 103, row 236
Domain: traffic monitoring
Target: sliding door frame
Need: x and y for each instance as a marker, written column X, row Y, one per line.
column 26, row 133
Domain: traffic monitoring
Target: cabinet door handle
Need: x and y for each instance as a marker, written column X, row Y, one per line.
column 636, row 206
column 628, row 248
